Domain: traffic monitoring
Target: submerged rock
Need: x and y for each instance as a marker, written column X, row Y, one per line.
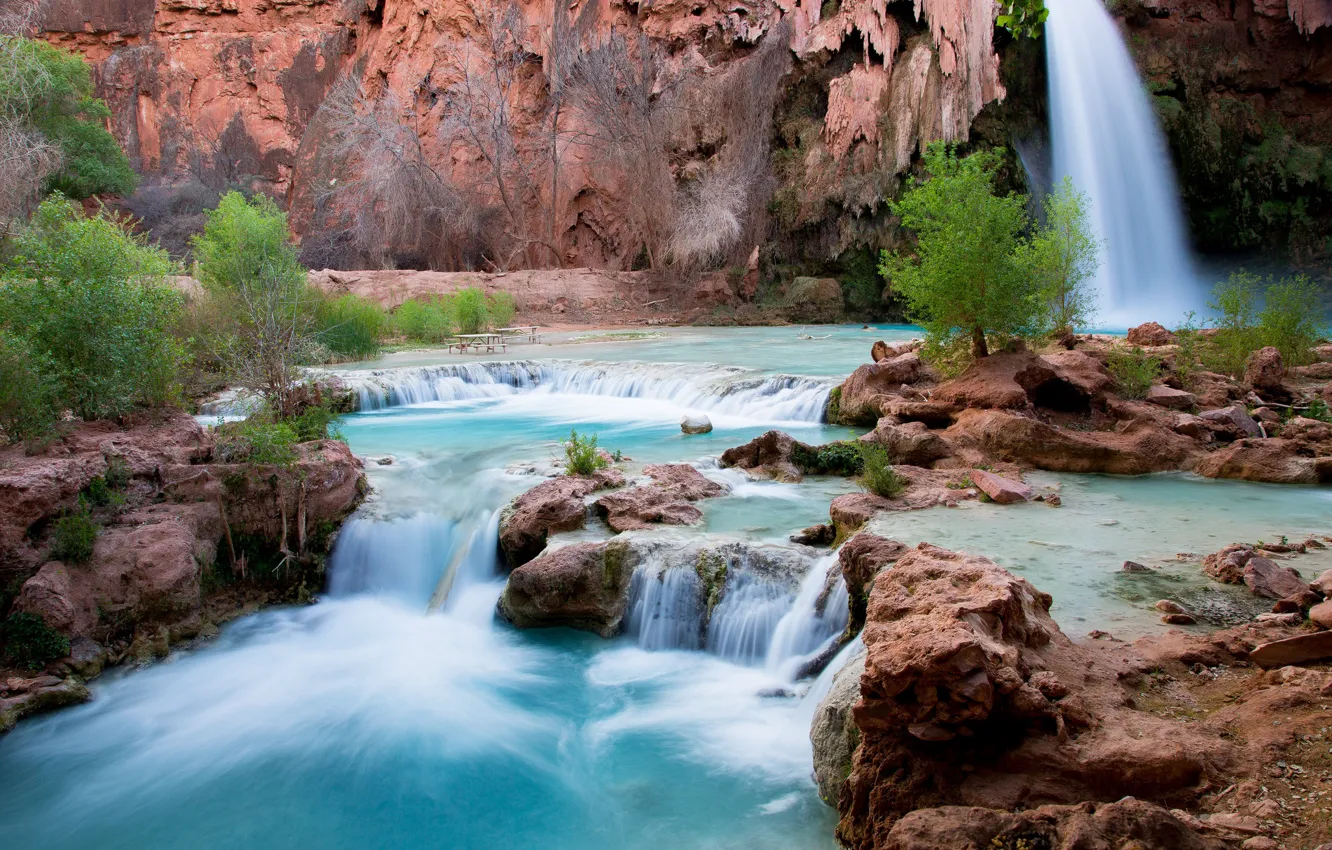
column 1000, row 489
column 766, row 456
column 696, row 425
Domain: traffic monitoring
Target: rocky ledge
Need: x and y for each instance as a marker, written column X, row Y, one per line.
column 971, row 720
column 173, row 543
column 1063, row 410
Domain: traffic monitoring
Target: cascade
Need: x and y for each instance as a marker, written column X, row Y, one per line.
column 716, row 389
column 1106, row 137
column 814, row 620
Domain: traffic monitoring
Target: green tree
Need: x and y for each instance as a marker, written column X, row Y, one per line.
column 965, row 280
column 91, row 298
column 248, row 265
column 1063, row 257
column 1292, row 319
column 46, row 94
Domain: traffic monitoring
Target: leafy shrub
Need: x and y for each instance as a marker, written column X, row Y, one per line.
column 878, row 475
column 1063, row 256
column 350, row 326
column 315, row 423
column 1133, row 371
column 99, row 492
column 501, row 308
column 1023, row 17
column 30, row 643
column 28, row 408
column 581, row 456
column 1292, row 319
column 1190, row 349
column 258, row 441
column 92, row 298
column 1318, row 409
column 73, row 537
column 1235, row 336
column 427, row 319
column 117, row 473
column 469, row 310
column 845, row 457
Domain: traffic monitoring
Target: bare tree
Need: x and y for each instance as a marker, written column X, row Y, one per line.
column 27, row 156
column 620, row 89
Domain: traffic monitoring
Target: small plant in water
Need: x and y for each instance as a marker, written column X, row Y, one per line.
column 1133, row 371
column 581, row 456
column 878, row 475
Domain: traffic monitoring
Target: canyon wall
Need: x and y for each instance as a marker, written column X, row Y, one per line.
column 819, row 107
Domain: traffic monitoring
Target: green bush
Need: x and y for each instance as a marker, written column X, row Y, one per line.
column 73, row 537
column 91, row 298
column 350, row 326
column 965, row 280
column 117, row 473
column 878, row 475
column 99, row 492
column 258, row 441
column 315, row 423
column 1191, row 346
column 50, row 91
column 1236, row 335
column 1063, row 256
column 1134, row 370
column 845, row 457
column 501, row 309
column 30, row 643
column 1292, row 320
column 1318, row 409
column 469, row 310
column 581, row 456
column 428, row 319
column 28, row 406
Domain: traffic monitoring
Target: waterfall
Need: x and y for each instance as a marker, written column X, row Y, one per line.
column 758, row 621
column 1106, row 137
column 715, row 389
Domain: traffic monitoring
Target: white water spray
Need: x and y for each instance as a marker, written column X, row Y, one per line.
column 1106, row 137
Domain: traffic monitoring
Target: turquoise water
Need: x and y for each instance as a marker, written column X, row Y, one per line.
column 391, row 715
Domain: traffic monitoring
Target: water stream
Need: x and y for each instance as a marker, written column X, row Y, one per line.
column 399, row 713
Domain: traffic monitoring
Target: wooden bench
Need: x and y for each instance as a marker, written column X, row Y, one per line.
column 529, row 331
column 487, row 342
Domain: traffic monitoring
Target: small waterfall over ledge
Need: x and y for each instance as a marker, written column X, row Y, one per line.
column 716, row 389
column 1106, row 137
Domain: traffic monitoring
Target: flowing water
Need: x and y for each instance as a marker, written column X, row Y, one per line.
column 1106, row 137
column 399, row 713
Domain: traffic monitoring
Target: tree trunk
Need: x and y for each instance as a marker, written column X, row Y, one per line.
column 978, row 346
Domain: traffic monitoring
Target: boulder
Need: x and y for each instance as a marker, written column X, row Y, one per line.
column 1085, row 373
column 1150, row 334
column 1264, row 370
column 1274, row 460
column 665, row 501
column 581, row 586
column 1129, row 824
column 1170, row 397
column 972, row 696
column 851, row 511
column 861, row 558
column 1233, row 422
column 713, row 290
column 552, row 506
column 1214, row 390
column 1004, row 380
column 822, row 534
column 1301, row 649
column 880, row 351
column 1323, row 584
column 1228, row 564
column 935, row 414
column 41, row 698
column 696, row 424
column 1005, row 491
column 1264, row 578
column 1192, row 426
column 1321, row 614
column 1141, row 447
column 912, row 443
column 865, row 391
column 814, row 299
column 766, row 456
column 833, row 731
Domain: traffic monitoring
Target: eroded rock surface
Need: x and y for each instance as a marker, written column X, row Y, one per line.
column 550, row 507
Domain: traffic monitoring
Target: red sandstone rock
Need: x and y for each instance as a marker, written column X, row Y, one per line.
column 1321, row 615
column 852, row 510
column 1275, row 460
column 1264, row 370
column 1139, row 448
column 1003, row 380
column 935, row 414
column 550, row 507
column 1232, row 422
column 912, row 443
column 1228, row 564
column 1150, row 334
column 1300, row 649
column 1127, row 823
column 1323, row 584
column 861, row 558
column 1002, row 490
column 1264, row 578
column 667, row 501
column 1171, row 397
column 767, row 455
column 1085, row 373
column 871, row 385
column 581, row 586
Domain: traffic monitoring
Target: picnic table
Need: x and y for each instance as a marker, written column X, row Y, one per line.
column 529, row 331
column 476, row 342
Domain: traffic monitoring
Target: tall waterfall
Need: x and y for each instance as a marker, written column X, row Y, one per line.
column 1105, row 136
